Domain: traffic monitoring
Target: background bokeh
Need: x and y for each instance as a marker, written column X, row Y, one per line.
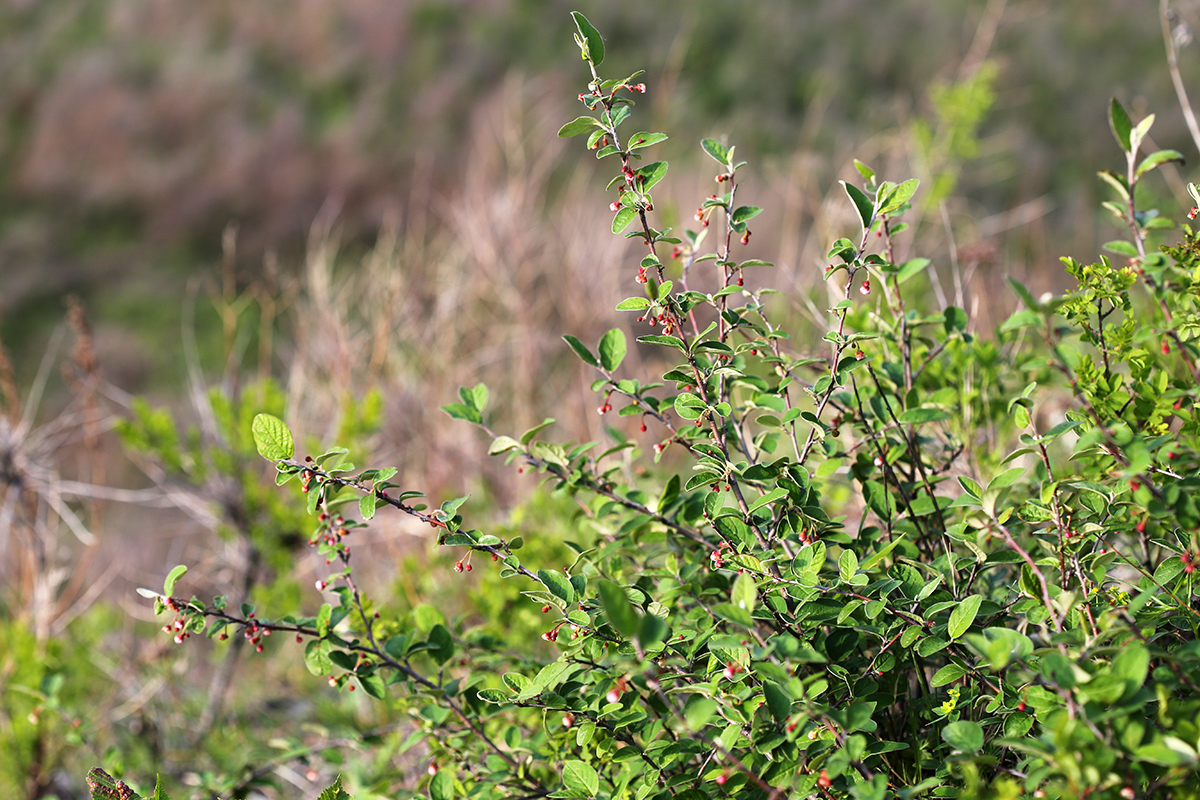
column 310, row 202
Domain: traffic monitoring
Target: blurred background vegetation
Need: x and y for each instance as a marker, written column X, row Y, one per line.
column 344, row 210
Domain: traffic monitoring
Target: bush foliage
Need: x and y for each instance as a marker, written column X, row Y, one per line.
column 905, row 560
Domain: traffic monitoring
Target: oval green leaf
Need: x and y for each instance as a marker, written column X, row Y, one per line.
column 963, row 615
column 272, row 437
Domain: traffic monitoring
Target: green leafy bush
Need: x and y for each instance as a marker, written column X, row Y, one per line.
column 908, row 560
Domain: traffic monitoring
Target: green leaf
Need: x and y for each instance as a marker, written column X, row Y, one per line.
column 160, row 791
column 1157, row 159
column 174, row 575
column 590, row 37
column 1006, row 478
column 366, row 505
column 716, row 150
column 272, row 437
column 916, row 416
column 778, row 701
column 963, row 615
column 580, row 779
column 698, row 712
column 443, row 644
column 954, row 319
column 862, row 203
column 581, row 350
column 558, row 584
column 972, row 488
column 689, row 406
column 768, row 498
column 528, row 435
column 947, row 674
column 669, row 341
column 643, row 139
column 1117, row 182
column 617, row 607
column 1024, row 293
column 847, row 564
column 334, row 791
column 442, row 786
column 1132, row 665
column 612, row 349
column 1122, row 127
column 502, row 444
column 579, row 125
column 745, row 592
column 1121, row 247
column 651, row 174
column 1139, row 133
column 964, row 735
column 899, row 196
column 744, row 213
column 876, row 557
column 911, row 268
column 464, row 412
column 867, row 173
column 496, row 696
column 316, row 657
column 624, row 216
column 633, row 304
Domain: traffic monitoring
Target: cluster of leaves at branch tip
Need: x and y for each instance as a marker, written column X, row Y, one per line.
column 105, row 787
column 907, row 558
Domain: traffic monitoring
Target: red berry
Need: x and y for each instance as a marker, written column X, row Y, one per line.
column 1141, row 526
column 721, row 779
column 1166, row 348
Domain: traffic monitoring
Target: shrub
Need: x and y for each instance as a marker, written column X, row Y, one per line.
column 906, row 561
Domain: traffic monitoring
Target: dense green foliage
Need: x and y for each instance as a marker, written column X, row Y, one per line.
column 908, row 560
